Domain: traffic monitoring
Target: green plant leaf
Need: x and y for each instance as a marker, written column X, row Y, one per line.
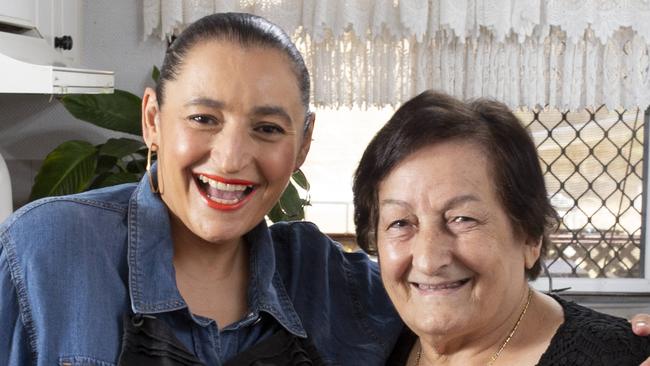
column 155, row 74
column 120, row 147
column 291, row 203
column 113, row 179
column 67, row 169
column 105, row 163
column 299, row 177
column 119, row 111
column 137, row 166
column 276, row 214
column 143, row 152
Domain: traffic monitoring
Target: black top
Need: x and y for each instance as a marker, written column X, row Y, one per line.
column 149, row 341
column 585, row 338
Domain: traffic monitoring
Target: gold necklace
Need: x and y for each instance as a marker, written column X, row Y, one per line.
column 417, row 358
column 503, row 345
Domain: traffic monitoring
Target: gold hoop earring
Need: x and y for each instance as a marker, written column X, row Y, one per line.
column 154, row 189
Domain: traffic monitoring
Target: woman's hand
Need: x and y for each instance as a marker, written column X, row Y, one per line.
column 641, row 324
column 641, row 327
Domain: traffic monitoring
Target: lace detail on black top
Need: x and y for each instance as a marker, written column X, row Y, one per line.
column 586, row 338
column 591, row 338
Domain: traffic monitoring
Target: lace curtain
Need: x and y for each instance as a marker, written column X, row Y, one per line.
column 567, row 54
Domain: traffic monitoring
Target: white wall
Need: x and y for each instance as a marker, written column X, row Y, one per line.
column 32, row 125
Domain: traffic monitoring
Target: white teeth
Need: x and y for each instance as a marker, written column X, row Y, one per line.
column 445, row 286
column 222, row 186
column 222, row 201
column 230, row 187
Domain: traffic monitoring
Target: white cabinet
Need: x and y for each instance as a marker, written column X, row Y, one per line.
column 40, row 42
column 59, row 19
column 54, row 21
column 21, row 13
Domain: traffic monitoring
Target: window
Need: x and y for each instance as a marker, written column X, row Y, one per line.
column 340, row 137
column 593, row 163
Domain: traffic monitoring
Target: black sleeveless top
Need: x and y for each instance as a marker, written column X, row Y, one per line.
column 586, row 338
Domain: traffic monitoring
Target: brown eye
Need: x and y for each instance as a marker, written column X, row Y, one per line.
column 269, row 129
column 461, row 223
column 202, row 119
column 397, row 224
column 462, row 219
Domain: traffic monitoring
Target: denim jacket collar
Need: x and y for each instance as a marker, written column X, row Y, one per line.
column 152, row 280
column 266, row 291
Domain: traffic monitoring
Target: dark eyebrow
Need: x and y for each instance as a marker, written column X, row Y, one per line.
column 206, row 102
column 272, row 110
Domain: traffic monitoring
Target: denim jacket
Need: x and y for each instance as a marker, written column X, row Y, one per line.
column 72, row 266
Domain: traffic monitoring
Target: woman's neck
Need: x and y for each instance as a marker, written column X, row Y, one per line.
column 203, row 259
column 212, row 277
column 527, row 343
column 474, row 347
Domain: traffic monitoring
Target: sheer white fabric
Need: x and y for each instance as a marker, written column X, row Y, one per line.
column 558, row 53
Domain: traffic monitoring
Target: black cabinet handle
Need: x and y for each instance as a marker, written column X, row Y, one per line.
column 64, row 42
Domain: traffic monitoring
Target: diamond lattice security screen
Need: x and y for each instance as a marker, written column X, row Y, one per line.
column 593, row 165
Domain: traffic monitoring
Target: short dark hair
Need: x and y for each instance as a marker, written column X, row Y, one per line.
column 432, row 118
column 242, row 28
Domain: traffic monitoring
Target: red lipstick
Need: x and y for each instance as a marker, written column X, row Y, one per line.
column 226, row 180
column 224, row 206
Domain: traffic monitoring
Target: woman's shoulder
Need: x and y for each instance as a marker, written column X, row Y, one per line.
column 607, row 327
column 45, row 223
column 304, row 232
column 114, row 198
column 589, row 337
column 303, row 239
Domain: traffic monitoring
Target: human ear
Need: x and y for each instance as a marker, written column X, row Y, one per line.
column 532, row 250
column 150, row 118
column 306, row 140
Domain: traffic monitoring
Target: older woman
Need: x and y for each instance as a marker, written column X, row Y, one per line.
column 185, row 256
column 452, row 198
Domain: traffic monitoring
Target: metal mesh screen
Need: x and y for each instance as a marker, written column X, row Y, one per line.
column 593, row 165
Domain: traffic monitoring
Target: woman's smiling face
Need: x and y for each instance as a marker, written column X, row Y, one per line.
column 450, row 259
column 229, row 135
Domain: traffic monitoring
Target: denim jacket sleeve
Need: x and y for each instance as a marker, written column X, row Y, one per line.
column 57, row 286
column 14, row 339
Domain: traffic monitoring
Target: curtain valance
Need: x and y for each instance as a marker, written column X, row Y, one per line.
column 558, row 53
